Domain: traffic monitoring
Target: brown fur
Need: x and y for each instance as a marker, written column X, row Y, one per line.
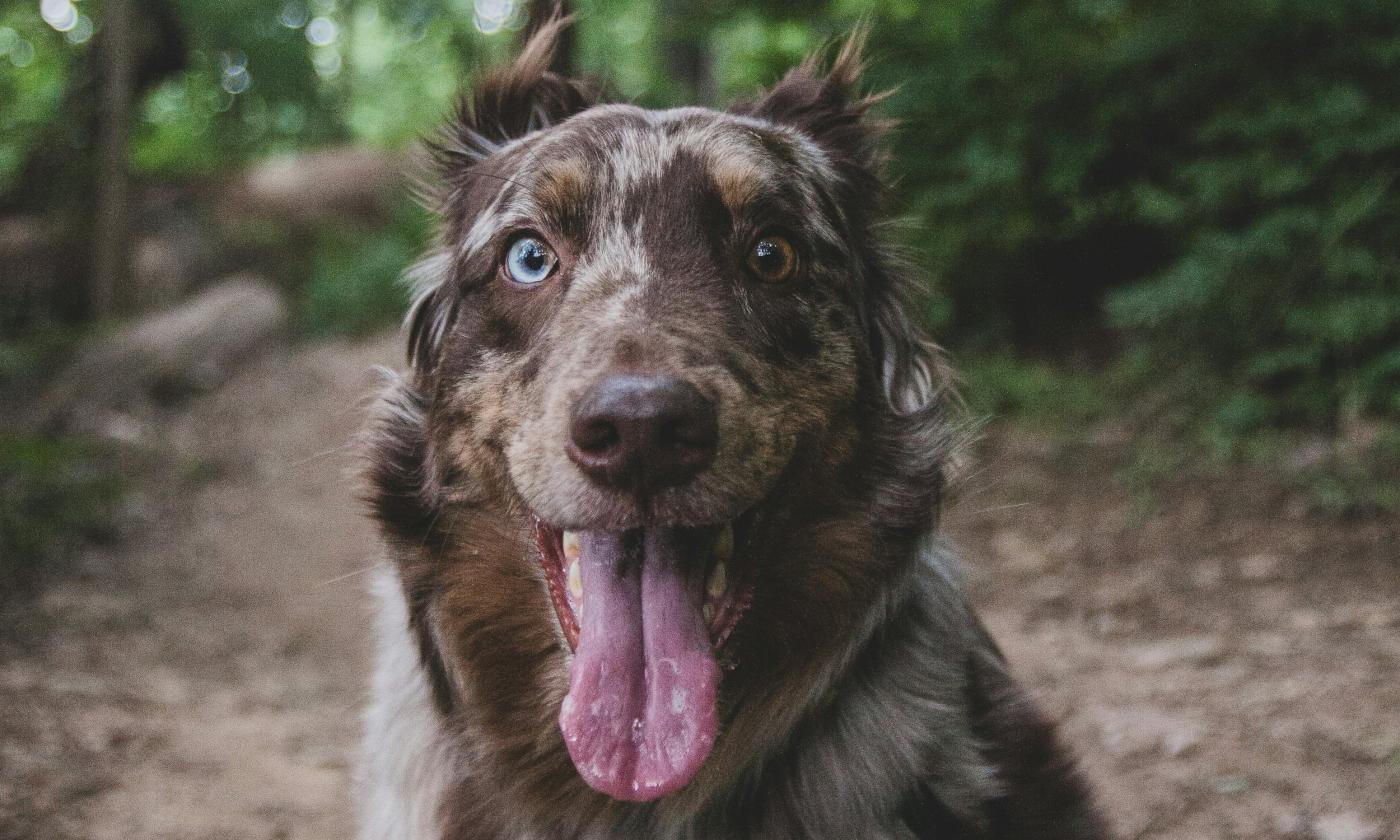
column 864, row 699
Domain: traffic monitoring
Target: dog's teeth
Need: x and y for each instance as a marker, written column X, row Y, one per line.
column 572, row 549
column 724, row 544
column 719, row 580
column 575, row 582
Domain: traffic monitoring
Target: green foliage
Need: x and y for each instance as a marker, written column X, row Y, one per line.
column 34, row 62
column 1042, row 393
column 356, row 285
column 26, row 361
column 55, row 494
column 1222, row 176
column 1358, row 478
column 266, row 77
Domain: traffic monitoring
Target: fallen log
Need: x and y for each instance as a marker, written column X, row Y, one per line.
column 166, row 356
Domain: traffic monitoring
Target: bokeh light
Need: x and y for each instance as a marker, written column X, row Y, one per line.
column 236, row 78
column 491, row 16
column 60, row 14
column 327, row 62
column 81, row 32
column 321, row 32
column 293, row 14
column 22, row 53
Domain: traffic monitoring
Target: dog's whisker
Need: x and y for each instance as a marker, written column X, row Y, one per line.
column 347, row 576
column 325, row 453
column 997, row 509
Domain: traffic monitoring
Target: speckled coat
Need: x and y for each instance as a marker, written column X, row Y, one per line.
column 862, row 696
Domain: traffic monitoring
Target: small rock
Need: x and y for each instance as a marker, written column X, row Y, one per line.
column 1311, row 454
column 1019, row 553
column 1306, row 618
column 1229, row 785
column 1292, row 825
column 1261, row 567
column 1136, row 731
column 1345, row 826
column 1187, row 650
column 1206, row 574
column 191, row 347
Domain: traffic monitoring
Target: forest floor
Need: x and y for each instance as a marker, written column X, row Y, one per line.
column 1225, row 659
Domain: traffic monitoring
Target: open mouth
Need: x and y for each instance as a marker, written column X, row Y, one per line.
column 647, row 613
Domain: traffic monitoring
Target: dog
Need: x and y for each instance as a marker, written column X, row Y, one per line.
column 659, row 495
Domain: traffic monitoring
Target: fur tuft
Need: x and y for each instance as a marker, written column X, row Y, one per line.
column 828, row 106
column 511, row 102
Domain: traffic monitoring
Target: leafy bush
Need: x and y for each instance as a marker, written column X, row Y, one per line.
column 35, row 65
column 1221, row 176
column 355, row 285
column 1036, row 391
column 55, row 494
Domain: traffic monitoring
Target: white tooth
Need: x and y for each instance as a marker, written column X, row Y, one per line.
column 709, row 612
column 572, row 549
column 719, row 580
column 575, row 582
column 724, row 544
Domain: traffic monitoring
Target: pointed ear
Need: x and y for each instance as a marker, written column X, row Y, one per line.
column 512, row 101
column 828, row 106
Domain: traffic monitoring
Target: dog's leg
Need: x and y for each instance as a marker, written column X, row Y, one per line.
column 1042, row 793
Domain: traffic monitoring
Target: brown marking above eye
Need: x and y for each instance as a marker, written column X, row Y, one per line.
column 562, row 189
column 772, row 258
column 739, row 180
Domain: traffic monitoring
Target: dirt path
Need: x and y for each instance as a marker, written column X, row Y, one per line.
column 1227, row 663
column 1226, row 660
column 205, row 681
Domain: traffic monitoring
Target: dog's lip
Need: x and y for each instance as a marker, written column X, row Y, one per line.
column 728, row 605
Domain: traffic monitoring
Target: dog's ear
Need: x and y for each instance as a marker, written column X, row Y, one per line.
column 828, row 106
column 507, row 103
column 512, row 101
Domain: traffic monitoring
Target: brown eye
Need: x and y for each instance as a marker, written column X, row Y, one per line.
column 772, row 259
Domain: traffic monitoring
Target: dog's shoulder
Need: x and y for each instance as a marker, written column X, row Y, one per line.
column 1037, row 788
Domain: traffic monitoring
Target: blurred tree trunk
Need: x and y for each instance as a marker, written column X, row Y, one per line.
column 685, row 52
column 540, row 11
column 117, row 63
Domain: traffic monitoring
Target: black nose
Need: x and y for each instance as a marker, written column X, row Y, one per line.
column 641, row 433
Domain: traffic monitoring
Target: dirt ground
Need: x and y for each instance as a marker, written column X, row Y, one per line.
column 1226, row 660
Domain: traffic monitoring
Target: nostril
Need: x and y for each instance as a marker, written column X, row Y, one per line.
column 595, row 436
column 695, row 431
column 643, row 432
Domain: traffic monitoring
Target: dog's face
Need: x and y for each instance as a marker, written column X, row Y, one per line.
column 656, row 337
column 664, row 306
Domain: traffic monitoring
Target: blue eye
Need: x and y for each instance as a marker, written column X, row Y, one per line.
column 529, row 260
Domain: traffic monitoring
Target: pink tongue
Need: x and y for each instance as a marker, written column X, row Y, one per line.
column 639, row 719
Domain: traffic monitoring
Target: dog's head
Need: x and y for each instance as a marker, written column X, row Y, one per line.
column 673, row 345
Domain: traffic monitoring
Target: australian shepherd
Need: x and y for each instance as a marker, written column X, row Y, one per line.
column 660, row 492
